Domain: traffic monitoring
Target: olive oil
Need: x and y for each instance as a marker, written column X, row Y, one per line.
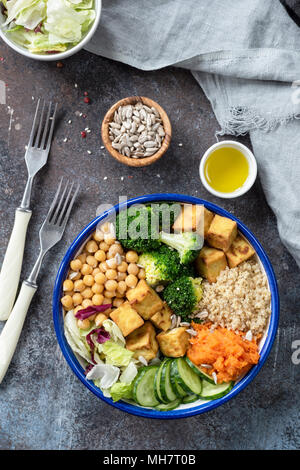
column 226, row 169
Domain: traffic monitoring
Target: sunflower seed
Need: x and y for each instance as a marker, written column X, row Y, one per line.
column 136, row 130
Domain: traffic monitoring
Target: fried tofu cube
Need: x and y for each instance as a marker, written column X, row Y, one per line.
column 221, row 233
column 239, row 251
column 193, row 218
column 144, row 300
column 173, row 343
column 143, row 342
column 126, row 318
column 162, row 319
column 210, row 262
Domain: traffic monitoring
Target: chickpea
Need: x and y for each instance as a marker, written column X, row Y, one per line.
column 132, row 257
column 111, row 285
column 109, row 294
column 133, row 269
column 100, row 278
column 104, row 246
column 121, row 277
column 87, row 303
column 74, row 275
column 96, row 271
column 119, row 296
column 118, row 302
column 122, row 268
column 86, row 269
column 111, row 274
column 114, row 249
column 103, row 266
column 91, row 260
column 97, row 299
column 87, row 293
column 82, row 257
column 106, row 301
column 131, row 280
column 98, row 235
column 77, row 299
column 84, row 324
column 100, row 255
column 68, row 285
column 109, row 239
column 91, row 246
column 67, row 302
column 142, row 274
column 105, row 228
column 79, row 285
column 76, row 309
column 100, row 318
column 76, row 264
column 122, row 286
column 88, row 280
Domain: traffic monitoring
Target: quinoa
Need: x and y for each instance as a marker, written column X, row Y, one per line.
column 238, row 300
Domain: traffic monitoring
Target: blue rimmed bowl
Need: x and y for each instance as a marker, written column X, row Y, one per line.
column 191, row 409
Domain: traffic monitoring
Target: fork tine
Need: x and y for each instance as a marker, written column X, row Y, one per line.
column 59, row 219
column 37, row 139
column 51, row 128
column 53, row 205
column 33, row 129
column 67, row 214
column 56, row 213
column 46, row 128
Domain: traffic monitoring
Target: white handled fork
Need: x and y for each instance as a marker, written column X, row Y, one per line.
column 36, row 157
column 51, row 233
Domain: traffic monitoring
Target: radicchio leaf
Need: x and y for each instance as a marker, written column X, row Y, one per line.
column 102, row 337
column 89, row 311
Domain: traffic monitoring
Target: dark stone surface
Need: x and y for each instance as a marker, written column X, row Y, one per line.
column 42, row 403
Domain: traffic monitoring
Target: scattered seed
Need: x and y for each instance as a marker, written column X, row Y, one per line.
column 89, row 152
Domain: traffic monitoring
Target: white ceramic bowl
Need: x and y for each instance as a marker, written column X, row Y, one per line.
column 59, row 55
column 252, row 169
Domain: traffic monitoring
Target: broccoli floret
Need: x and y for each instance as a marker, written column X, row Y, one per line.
column 161, row 265
column 137, row 228
column 188, row 244
column 183, row 295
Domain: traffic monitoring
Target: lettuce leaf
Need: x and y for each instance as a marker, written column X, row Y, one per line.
column 27, row 13
column 106, row 374
column 129, row 373
column 121, row 390
column 115, row 354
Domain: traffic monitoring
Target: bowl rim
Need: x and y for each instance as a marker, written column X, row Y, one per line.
column 148, row 412
column 60, row 55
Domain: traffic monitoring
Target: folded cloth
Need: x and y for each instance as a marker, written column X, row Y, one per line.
column 246, row 57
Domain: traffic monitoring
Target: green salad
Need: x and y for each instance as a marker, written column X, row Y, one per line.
column 47, row 26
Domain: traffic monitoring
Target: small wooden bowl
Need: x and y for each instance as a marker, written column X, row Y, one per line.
column 137, row 162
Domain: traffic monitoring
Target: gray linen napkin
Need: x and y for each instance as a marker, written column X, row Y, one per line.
column 245, row 55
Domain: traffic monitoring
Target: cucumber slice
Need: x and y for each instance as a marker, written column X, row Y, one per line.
column 169, row 406
column 166, row 390
column 177, row 389
column 200, row 372
column 213, row 391
column 157, row 384
column 143, row 387
column 186, row 377
column 190, row 399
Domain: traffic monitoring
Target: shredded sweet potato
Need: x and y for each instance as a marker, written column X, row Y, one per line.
column 229, row 354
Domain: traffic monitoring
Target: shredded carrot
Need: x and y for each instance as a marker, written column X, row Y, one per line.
column 229, row 354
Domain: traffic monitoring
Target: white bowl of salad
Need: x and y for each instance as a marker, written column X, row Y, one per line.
column 48, row 29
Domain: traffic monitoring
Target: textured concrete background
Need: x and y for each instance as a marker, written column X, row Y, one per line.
column 42, row 404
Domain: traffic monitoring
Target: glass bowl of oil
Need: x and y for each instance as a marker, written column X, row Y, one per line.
column 228, row 169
